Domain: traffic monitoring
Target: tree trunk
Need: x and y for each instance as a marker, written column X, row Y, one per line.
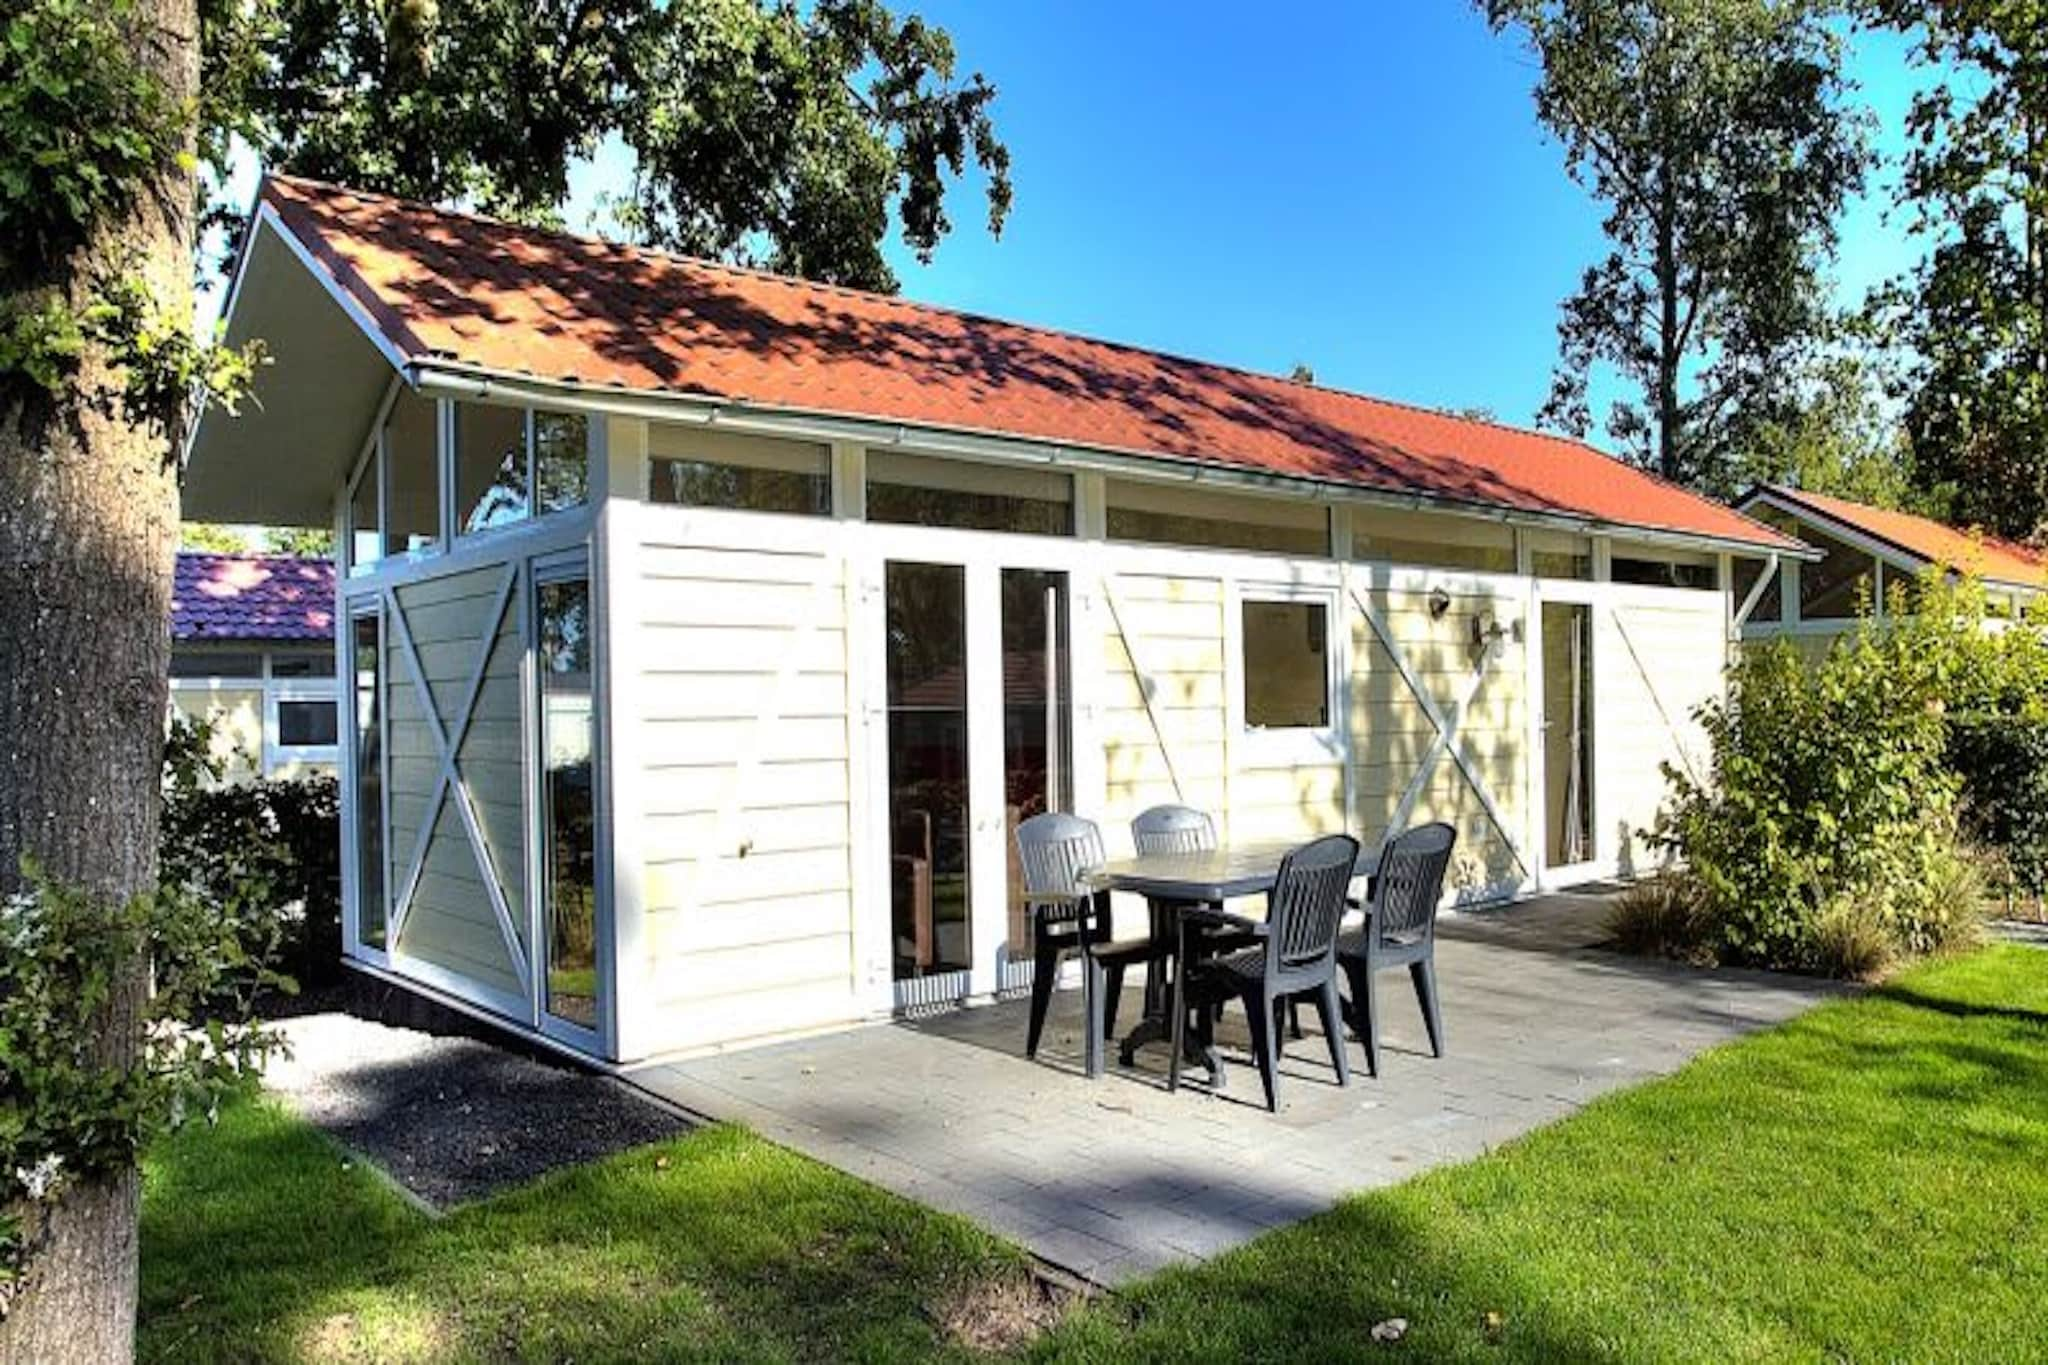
column 1668, row 357
column 88, row 527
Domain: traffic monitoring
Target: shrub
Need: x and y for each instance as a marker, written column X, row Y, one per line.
column 2002, row 759
column 265, row 854
column 1827, row 835
column 66, row 1110
column 1851, row 939
column 1661, row 916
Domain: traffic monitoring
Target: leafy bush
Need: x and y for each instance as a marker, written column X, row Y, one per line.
column 1827, row 835
column 69, row 1109
column 265, row 853
column 2003, row 762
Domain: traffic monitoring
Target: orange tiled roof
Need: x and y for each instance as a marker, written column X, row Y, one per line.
column 1924, row 538
column 457, row 288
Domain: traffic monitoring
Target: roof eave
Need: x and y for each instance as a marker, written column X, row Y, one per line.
column 461, row 379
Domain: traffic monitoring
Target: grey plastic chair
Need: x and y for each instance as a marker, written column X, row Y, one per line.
column 1057, row 852
column 1173, row 829
column 1400, row 931
column 1295, row 955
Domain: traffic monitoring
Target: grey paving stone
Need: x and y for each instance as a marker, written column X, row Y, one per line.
column 1114, row 1178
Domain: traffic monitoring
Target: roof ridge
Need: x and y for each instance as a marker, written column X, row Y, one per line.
column 943, row 310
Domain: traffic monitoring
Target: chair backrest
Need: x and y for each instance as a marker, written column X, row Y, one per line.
column 1173, row 829
column 1410, row 881
column 1306, row 905
column 1056, row 849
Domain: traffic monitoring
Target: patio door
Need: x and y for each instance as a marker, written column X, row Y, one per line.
column 977, row 739
column 1570, row 836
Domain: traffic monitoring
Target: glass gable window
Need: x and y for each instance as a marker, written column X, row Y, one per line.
column 561, row 460
column 694, row 468
column 1554, row 554
column 1160, row 514
column 1675, row 572
column 1768, row 606
column 412, row 477
column 1841, row 585
column 365, row 524
column 491, row 467
column 1286, row 665
column 917, row 490
column 511, row 463
column 1384, row 536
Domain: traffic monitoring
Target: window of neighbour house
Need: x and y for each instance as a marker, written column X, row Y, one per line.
column 512, row 464
column 306, row 723
column 917, row 490
column 690, row 467
column 1286, row 647
column 1840, row 585
column 1769, row 603
column 1165, row 514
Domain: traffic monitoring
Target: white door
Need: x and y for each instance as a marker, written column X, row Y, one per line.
column 975, row 738
column 1567, row 825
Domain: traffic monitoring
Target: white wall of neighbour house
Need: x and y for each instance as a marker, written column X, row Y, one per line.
column 238, row 691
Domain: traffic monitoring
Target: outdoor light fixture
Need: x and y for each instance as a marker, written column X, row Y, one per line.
column 1439, row 603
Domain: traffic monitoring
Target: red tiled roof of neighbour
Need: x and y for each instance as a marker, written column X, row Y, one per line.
column 474, row 292
column 252, row 597
column 1924, row 538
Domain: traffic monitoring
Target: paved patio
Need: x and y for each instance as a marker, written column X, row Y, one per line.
column 1116, row 1178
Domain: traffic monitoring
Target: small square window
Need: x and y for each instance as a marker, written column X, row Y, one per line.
column 1286, row 665
column 306, row 724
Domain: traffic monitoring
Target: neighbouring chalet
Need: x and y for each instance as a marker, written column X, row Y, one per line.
column 704, row 633
column 1866, row 554
column 252, row 650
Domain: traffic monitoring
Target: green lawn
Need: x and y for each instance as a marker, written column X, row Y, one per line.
column 1868, row 1182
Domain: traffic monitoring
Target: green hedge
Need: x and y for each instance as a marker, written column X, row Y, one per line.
column 2003, row 763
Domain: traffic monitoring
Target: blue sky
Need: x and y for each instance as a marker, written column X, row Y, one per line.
column 1361, row 187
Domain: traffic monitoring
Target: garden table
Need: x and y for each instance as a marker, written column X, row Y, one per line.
column 1172, row 883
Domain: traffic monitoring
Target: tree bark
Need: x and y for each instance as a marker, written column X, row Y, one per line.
column 1668, row 355
column 88, row 528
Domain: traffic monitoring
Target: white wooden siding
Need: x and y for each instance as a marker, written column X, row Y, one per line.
column 743, row 777
column 1657, row 655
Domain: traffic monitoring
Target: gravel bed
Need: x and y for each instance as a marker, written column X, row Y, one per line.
column 453, row 1119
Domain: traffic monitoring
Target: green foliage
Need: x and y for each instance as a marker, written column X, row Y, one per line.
column 1973, row 317
column 72, row 1109
column 2003, row 762
column 763, row 132
column 1714, row 133
column 82, row 122
column 1830, row 820
column 1836, row 437
column 264, row 853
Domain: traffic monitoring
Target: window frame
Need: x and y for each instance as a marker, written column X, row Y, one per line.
column 1287, row 745
column 364, row 608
